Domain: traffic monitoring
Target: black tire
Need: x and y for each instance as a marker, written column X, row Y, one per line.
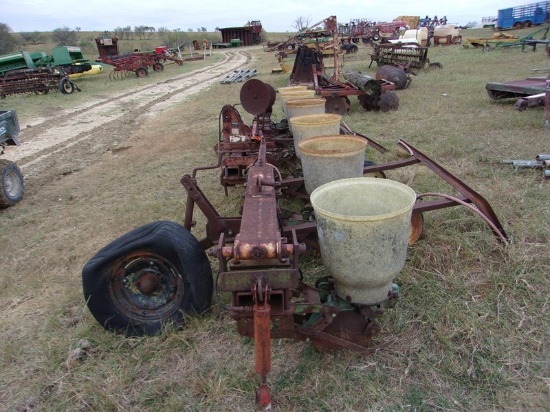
column 66, row 86
column 11, row 184
column 376, row 37
column 158, row 67
column 148, row 278
column 352, row 48
column 142, row 72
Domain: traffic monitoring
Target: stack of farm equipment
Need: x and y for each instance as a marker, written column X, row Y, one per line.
column 309, row 67
column 155, row 274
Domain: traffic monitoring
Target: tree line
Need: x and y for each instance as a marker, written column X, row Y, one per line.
column 64, row 36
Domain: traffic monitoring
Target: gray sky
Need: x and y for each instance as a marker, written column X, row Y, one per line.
column 275, row 15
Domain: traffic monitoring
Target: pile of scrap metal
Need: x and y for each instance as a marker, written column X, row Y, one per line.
column 240, row 75
column 542, row 161
column 323, row 37
column 359, row 30
column 373, row 94
column 530, row 92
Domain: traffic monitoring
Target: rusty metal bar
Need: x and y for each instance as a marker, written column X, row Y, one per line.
column 478, row 200
column 262, row 344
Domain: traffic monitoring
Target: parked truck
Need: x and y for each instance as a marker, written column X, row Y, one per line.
column 11, row 178
column 523, row 16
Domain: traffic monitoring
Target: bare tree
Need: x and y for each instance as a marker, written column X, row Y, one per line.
column 140, row 31
column 122, row 32
column 35, row 37
column 64, row 36
column 172, row 39
column 301, row 23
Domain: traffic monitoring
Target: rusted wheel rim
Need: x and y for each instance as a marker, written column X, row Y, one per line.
column 146, row 286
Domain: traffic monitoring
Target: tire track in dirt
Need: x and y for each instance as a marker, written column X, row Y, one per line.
column 59, row 133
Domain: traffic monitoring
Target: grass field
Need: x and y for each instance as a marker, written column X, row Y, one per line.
column 469, row 333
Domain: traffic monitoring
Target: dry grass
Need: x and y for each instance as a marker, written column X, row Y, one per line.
column 470, row 331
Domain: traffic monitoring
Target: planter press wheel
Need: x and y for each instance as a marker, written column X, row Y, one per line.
column 66, row 86
column 349, row 326
column 158, row 67
column 417, row 227
column 336, row 105
column 142, row 72
column 11, row 183
column 148, row 278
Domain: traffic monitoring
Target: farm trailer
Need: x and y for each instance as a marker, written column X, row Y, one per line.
column 527, row 15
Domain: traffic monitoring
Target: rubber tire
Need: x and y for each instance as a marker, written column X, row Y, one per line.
column 142, row 72
column 158, row 67
column 352, row 49
column 10, row 174
column 66, row 86
column 167, row 240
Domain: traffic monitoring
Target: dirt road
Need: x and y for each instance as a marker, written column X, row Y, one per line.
column 109, row 120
